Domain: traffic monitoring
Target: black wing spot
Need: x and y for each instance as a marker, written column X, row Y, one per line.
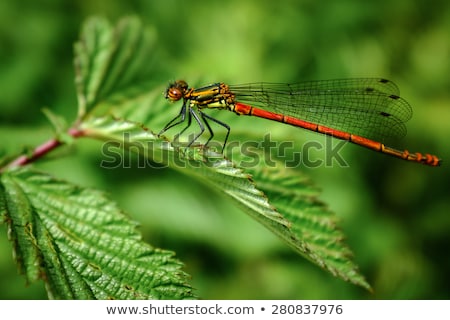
column 394, row 96
column 369, row 89
column 385, row 114
column 384, row 81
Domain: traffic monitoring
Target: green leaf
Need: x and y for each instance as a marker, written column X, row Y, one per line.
column 81, row 244
column 111, row 61
column 283, row 200
column 314, row 232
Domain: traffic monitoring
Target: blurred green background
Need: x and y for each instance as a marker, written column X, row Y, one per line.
column 396, row 215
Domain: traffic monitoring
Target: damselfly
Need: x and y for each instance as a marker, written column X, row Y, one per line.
column 363, row 111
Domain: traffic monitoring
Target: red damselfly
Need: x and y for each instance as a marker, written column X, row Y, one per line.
column 363, row 111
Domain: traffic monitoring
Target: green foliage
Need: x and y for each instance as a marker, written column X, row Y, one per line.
column 80, row 243
column 109, row 61
column 394, row 214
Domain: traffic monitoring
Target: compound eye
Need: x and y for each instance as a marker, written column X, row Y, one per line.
column 177, row 90
column 174, row 94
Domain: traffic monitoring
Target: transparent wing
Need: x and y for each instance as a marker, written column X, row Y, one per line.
column 370, row 107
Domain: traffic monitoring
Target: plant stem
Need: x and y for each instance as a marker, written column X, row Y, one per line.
column 41, row 150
